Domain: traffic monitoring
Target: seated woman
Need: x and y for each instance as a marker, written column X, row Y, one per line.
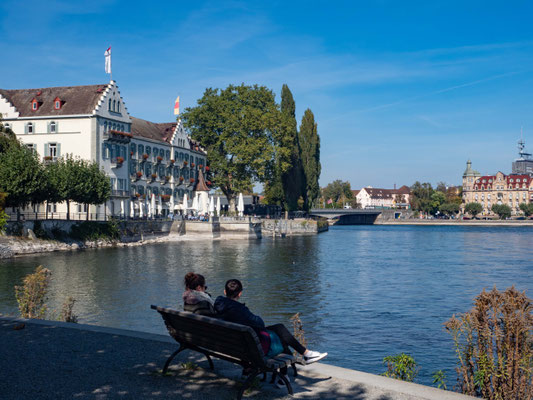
column 195, row 297
column 229, row 309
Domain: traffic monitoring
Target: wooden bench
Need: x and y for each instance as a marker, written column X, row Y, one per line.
column 235, row 343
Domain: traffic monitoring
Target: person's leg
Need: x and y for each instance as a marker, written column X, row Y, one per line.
column 286, row 338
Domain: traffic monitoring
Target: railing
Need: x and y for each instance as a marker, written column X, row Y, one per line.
column 120, row 193
column 74, row 216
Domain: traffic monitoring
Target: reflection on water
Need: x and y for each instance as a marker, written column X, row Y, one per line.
column 364, row 292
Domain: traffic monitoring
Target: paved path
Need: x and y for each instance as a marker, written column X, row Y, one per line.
column 54, row 360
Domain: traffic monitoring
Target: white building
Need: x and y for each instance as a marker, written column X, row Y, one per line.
column 370, row 197
column 141, row 158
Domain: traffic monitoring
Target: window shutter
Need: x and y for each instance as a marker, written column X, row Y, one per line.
column 46, row 150
column 59, row 149
column 48, row 127
column 26, row 128
column 103, row 151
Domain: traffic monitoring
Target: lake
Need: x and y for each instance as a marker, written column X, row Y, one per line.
column 363, row 292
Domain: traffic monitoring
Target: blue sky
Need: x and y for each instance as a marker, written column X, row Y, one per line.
column 401, row 91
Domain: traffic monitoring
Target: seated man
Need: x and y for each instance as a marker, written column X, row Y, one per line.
column 230, row 309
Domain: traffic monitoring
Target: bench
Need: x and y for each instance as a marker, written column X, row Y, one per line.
column 227, row 341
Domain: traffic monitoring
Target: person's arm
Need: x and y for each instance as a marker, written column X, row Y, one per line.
column 255, row 321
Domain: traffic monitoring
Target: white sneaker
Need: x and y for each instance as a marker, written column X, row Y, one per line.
column 314, row 356
column 279, row 382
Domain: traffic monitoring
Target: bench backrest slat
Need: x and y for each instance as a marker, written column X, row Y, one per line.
column 234, row 340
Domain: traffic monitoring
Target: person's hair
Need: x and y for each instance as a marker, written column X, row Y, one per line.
column 192, row 281
column 233, row 288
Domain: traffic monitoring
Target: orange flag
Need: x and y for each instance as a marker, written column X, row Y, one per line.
column 177, row 106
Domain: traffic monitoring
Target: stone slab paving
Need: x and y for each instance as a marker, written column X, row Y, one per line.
column 54, row 360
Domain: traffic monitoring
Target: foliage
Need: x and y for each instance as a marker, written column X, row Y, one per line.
column 38, row 230
column 189, row 366
column 449, row 208
column 94, row 230
column 527, row 209
column 338, row 191
column 242, row 130
column 3, row 215
column 67, row 313
column 310, row 156
column 298, row 329
column 420, row 197
column 503, row 210
column 439, row 377
column 437, row 198
column 493, row 343
column 7, row 137
column 473, row 209
column 21, row 176
column 31, row 296
column 401, row 366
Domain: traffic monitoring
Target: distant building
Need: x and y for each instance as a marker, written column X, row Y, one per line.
column 511, row 190
column 370, row 197
column 140, row 157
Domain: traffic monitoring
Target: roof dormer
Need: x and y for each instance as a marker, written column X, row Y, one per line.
column 35, row 104
column 57, row 103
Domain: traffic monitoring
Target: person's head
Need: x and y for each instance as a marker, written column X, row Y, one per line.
column 195, row 282
column 233, row 289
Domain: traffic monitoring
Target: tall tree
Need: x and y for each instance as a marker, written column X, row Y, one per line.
column 21, row 176
column 241, row 128
column 310, row 155
column 338, row 192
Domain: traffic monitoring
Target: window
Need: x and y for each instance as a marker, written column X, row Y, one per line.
column 148, row 150
column 118, row 106
column 34, row 105
column 7, row 125
column 53, row 150
column 109, row 108
column 32, row 147
column 29, row 127
column 113, row 183
column 162, row 153
column 114, row 105
column 141, row 149
column 105, row 126
column 53, row 127
column 121, row 184
column 133, row 149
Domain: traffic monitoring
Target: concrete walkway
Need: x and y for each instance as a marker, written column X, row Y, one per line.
column 55, row 360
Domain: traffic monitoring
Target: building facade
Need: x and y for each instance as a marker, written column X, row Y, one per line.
column 488, row 190
column 370, row 197
column 141, row 158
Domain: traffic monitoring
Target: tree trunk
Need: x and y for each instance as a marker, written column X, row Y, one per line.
column 87, row 213
column 68, row 210
column 46, row 210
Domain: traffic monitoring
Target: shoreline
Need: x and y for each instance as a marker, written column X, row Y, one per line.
column 447, row 222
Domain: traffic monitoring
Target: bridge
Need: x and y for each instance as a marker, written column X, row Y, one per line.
column 340, row 216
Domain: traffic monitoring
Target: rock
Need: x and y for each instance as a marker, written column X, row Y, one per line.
column 31, row 235
column 74, row 246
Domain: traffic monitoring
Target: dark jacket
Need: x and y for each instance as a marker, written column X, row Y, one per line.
column 233, row 311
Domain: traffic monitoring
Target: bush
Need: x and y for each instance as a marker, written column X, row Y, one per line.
column 92, row 230
column 401, row 366
column 493, row 342
column 503, row 210
column 3, row 220
column 31, row 296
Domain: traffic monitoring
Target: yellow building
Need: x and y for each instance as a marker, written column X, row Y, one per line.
column 488, row 190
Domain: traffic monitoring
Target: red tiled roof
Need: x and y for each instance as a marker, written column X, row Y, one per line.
column 161, row 132
column 74, row 99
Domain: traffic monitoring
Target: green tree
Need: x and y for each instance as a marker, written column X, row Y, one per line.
column 420, row 198
column 3, row 215
column 241, row 128
column 310, row 155
column 339, row 192
column 437, row 198
column 527, row 209
column 503, row 210
column 473, row 209
column 449, row 208
column 99, row 186
column 21, row 176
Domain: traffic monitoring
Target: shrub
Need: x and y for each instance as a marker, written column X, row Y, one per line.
column 67, row 314
column 401, row 366
column 439, row 377
column 493, row 344
column 503, row 210
column 31, row 296
column 93, row 230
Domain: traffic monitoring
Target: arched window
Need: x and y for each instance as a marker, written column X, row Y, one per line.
column 109, row 107
column 114, row 105
column 118, row 106
column 29, row 127
column 53, row 127
column 105, row 126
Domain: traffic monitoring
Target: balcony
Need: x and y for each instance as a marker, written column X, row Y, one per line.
column 120, row 193
column 117, row 136
column 117, row 162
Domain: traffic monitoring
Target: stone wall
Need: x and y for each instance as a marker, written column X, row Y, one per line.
column 387, row 215
column 227, row 228
column 292, row 227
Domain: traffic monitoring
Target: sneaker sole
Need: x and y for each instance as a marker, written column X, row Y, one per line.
column 315, row 359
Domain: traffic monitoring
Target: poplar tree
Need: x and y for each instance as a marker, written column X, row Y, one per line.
column 309, row 142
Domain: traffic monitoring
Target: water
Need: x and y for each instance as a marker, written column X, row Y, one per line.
column 363, row 292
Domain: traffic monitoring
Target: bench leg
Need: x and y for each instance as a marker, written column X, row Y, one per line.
column 211, row 365
column 294, row 370
column 169, row 360
column 287, row 383
column 247, row 383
